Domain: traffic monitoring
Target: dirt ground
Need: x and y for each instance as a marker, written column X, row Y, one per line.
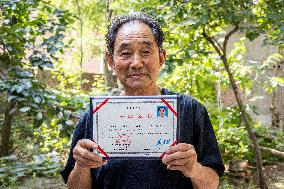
column 274, row 174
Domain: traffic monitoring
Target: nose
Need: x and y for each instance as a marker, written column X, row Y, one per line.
column 137, row 61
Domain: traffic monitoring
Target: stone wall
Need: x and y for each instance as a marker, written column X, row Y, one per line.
column 90, row 80
column 258, row 53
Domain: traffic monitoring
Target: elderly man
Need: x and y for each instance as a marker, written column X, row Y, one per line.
column 135, row 53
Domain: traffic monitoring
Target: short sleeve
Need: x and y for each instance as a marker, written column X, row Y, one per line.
column 206, row 146
column 78, row 134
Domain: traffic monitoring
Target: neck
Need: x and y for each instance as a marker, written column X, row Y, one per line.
column 152, row 91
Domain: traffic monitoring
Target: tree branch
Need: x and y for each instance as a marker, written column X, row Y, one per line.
column 217, row 43
column 5, row 13
column 2, row 73
column 210, row 40
column 274, row 152
column 12, row 20
column 227, row 37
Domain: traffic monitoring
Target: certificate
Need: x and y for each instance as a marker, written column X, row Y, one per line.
column 134, row 126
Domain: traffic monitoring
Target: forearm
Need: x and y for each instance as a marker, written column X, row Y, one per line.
column 79, row 178
column 203, row 177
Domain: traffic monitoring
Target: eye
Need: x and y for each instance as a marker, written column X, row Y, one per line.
column 146, row 52
column 125, row 54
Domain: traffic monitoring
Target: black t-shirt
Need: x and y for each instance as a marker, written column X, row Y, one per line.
column 195, row 129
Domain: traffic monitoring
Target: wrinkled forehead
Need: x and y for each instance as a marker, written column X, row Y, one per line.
column 134, row 30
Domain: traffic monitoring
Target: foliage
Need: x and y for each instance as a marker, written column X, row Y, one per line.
column 272, row 81
column 270, row 22
column 39, row 150
column 12, row 170
column 31, row 35
column 34, row 35
column 235, row 144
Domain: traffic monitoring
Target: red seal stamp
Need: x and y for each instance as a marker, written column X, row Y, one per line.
column 123, row 141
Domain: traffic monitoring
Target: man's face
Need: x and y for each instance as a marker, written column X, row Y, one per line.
column 136, row 58
column 162, row 112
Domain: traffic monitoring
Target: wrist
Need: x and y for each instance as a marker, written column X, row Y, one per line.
column 195, row 171
column 81, row 168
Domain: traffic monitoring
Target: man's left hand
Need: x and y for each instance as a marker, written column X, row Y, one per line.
column 181, row 157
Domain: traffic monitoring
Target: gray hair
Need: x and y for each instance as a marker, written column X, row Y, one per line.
column 120, row 20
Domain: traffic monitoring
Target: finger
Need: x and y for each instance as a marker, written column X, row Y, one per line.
column 83, row 165
column 87, row 144
column 79, row 151
column 179, row 155
column 176, row 167
column 86, row 161
column 179, row 147
column 185, row 161
column 83, row 162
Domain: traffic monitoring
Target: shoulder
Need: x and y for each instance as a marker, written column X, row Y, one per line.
column 85, row 115
column 83, row 120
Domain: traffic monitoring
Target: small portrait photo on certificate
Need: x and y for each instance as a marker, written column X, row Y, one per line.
column 162, row 111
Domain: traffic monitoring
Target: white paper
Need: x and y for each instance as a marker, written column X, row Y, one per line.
column 134, row 127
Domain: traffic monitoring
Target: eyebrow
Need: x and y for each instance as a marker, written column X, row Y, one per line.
column 125, row 45
column 148, row 43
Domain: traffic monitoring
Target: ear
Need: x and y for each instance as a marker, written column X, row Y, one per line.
column 109, row 59
column 162, row 55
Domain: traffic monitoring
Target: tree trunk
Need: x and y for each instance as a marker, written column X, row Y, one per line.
column 6, row 129
column 81, row 20
column 219, row 102
column 81, row 52
column 252, row 136
column 275, row 115
column 111, row 80
column 222, row 51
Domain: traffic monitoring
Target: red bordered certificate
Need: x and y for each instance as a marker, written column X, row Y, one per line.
column 142, row 127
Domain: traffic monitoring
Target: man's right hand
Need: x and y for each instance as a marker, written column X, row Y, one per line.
column 84, row 157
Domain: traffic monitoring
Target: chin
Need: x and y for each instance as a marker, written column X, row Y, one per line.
column 137, row 84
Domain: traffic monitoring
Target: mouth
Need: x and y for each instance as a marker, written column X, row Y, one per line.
column 136, row 75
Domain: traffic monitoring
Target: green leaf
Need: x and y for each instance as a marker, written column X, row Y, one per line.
column 39, row 116
column 13, row 110
column 60, row 127
column 69, row 122
column 277, row 81
column 11, row 97
column 252, row 35
column 25, row 109
column 7, row 21
column 37, row 100
column 11, row 157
